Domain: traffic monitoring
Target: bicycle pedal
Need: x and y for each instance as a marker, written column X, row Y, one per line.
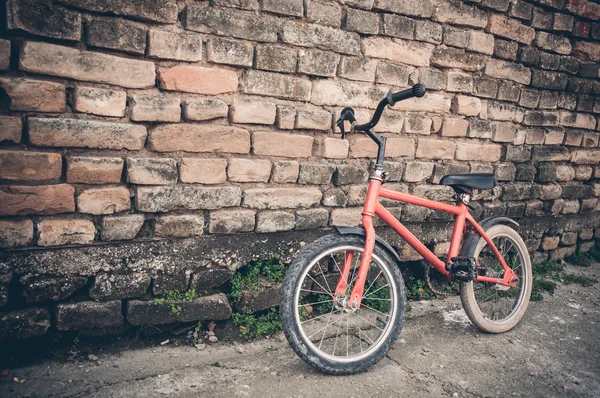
column 463, row 269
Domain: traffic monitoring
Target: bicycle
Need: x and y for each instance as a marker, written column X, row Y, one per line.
column 343, row 298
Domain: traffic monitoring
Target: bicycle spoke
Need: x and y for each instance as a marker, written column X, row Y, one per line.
column 317, row 317
column 386, row 285
column 325, row 278
column 319, row 285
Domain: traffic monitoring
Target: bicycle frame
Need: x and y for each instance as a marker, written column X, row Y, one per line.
column 372, row 207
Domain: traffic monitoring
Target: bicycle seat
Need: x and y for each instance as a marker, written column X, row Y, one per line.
column 464, row 182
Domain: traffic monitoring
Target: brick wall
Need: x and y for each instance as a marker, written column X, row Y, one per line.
column 141, row 121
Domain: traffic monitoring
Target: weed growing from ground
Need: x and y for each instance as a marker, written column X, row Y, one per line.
column 585, row 259
column 257, row 274
column 547, row 273
column 252, row 325
column 176, row 295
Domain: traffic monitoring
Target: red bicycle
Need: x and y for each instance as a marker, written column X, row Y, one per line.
column 343, row 298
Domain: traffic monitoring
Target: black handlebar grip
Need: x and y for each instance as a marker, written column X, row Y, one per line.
column 418, row 90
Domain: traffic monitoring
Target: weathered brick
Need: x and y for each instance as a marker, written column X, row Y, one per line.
column 106, row 200
column 586, row 157
column 199, row 138
column 567, row 101
column 459, row 82
column 504, row 112
column 485, row 87
column 65, row 232
column 363, row 21
column 563, row 22
column 318, row 63
column 552, row 42
column 435, row 149
column 550, row 242
column 577, row 120
column 506, row 49
column 34, row 95
column 414, row 8
column 186, row 197
column 45, row 199
column 429, row 32
column 42, row 19
column 286, row 117
column 550, row 153
column 590, row 140
column 229, row 51
column 584, row 173
column 179, row 225
column 293, row 8
column 214, row 307
column 10, row 129
column 548, row 100
column 203, row 171
column 89, row 315
column 465, row 105
column 453, row 127
column 540, row 118
column 345, row 93
column 511, row 29
column 480, row 42
column 243, row 4
column 323, row 37
column 346, row 174
column 455, row 37
column 174, row 45
column 550, row 192
column 506, row 70
column 276, row 58
column 521, row 10
column 417, row 124
column 252, row 112
column 249, row 170
column 274, row 221
column 276, row 85
column 397, row 50
column 417, row 171
column 395, row 25
column 204, row 109
column 151, row 171
column 281, row 198
column 51, row 59
column 123, row 227
column 460, row 14
column 198, row 79
column 98, row 101
column 480, row 152
column 92, row 170
column 281, row 144
column 334, row 197
column 116, row 34
column 573, row 138
column 554, row 137
column 85, row 134
column 332, row 148
column 163, row 11
column 582, row 29
column 30, row 166
column 349, row 217
column 231, row 221
column 504, row 132
column 506, row 172
column 324, row 13
column 155, row 107
column 313, row 119
column 364, row 147
column 361, row 69
column 285, row 171
column 529, row 98
column 5, row 48
column 479, row 128
column 43, row 288
column 570, row 207
column 108, row 287
column 15, row 233
column 225, row 22
column 455, row 58
column 433, row 79
column 592, row 50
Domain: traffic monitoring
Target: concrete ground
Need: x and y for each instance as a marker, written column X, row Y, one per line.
column 554, row 352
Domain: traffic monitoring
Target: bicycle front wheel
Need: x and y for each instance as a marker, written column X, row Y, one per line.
column 321, row 329
column 492, row 307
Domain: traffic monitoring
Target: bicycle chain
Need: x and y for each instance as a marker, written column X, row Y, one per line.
column 429, row 270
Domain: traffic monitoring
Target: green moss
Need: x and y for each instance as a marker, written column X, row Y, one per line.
column 579, row 279
column 252, row 325
column 257, row 274
column 175, row 295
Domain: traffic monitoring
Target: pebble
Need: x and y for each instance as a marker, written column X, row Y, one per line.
column 92, row 357
column 200, row 346
column 213, row 339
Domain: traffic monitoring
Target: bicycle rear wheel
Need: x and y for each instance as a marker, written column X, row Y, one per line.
column 322, row 330
column 492, row 307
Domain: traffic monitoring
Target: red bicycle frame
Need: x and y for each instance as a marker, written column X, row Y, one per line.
column 373, row 207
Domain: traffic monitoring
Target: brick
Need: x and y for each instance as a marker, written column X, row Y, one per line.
column 98, row 101
column 199, row 138
column 334, row 197
column 485, row 87
column 252, row 112
column 460, row 14
column 285, row 171
column 249, row 170
column 30, row 166
column 504, row 112
column 332, row 148
column 435, row 103
column 521, row 10
column 349, row 217
column 550, row 242
column 435, row 149
column 151, row 171
column 286, row 117
column 116, row 34
column 479, row 128
column 417, row 171
column 429, row 32
column 345, row 93
column 318, row 63
column 417, row 124
column 540, row 118
column 360, row 69
column 592, row 50
column 577, row 120
column 549, row 61
column 459, row 82
column 573, row 138
column 586, row 157
column 71, row 63
column 529, row 55
column 455, row 58
column 432, row 79
column 554, row 137
column 186, row 197
column 398, row 50
column 529, row 98
column 107, row 200
column 590, row 140
column 570, row 207
column 231, row 221
column 5, row 48
column 588, row 69
column 44, row 199
column 280, row 144
column 479, row 152
column 499, row 5
column 437, row 193
column 552, row 42
column 91, row 170
column 276, row 58
column 34, row 95
column 506, row 70
column 455, row 37
column 346, row 174
column 108, row 287
column 324, row 13
column 396, row 26
column 149, row 10
column 89, row 315
column 313, row 119
column 199, row 80
column 453, row 127
column 230, row 51
column 499, row 25
column 413, row 8
column 242, row 4
column 281, row 198
column 563, row 22
column 504, row 132
column 480, row 42
column 362, row 21
column 204, row 109
column 361, row 147
column 42, row 288
column 582, row 29
column 85, row 134
column 551, row 153
column 506, row 172
column 174, row 45
column 225, row 22
column 179, row 225
column 542, row 19
column 275, row 221
column 569, row 65
column 66, row 232
column 323, row 37
column 123, row 227
column 155, row 107
column 293, row 8
column 15, row 233
column 203, row 171
column 548, row 100
column 42, row 19
column 276, row 85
